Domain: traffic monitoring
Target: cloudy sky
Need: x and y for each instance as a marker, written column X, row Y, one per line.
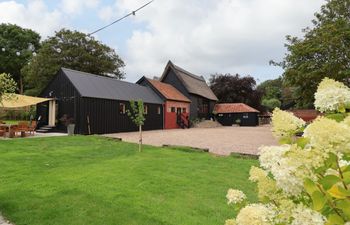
column 202, row 36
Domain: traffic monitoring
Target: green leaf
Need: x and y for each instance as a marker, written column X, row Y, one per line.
column 302, row 142
column 341, row 108
column 328, row 181
column 285, row 140
column 335, row 219
column 310, row 186
column 346, row 177
column 332, row 161
column 345, row 206
column 318, row 200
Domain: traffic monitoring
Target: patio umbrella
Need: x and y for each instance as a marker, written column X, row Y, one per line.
column 22, row 101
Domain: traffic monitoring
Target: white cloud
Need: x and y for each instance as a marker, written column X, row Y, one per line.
column 213, row 35
column 34, row 15
column 74, row 7
column 106, row 13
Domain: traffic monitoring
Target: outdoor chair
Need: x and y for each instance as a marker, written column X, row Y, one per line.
column 14, row 130
column 2, row 131
column 22, row 127
column 32, row 127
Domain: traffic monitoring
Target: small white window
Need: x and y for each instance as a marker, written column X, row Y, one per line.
column 122, row 108
column 145, row 109
column 245, row 116
column 158, row 110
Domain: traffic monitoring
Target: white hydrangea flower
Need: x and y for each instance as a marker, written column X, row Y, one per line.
column 235, row 196
column 230, row 222
column 256, row 173
column 328, row 135
column 271, row 155
column 305, row 216
column 256, row 214
column 285, row 123
column 346, row 121
column 289, row 165
column 331, row 95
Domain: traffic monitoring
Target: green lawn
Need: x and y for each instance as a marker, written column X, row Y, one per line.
column 93, row 180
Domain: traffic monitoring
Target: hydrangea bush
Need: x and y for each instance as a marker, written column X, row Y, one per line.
column 305, row 180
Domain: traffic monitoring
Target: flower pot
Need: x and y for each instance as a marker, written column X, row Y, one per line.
column 70, row 129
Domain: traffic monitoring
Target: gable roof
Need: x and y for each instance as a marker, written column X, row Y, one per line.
column 234, row 108
column 95, row 86
column 193, row 83
column 168, row 91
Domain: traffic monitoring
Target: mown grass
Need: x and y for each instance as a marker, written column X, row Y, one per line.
column 93, row 180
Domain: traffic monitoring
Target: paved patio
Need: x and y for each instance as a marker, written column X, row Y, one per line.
column 221, row 140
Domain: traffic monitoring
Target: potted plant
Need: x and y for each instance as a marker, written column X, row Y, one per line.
column 238, row 122
column 69, row 123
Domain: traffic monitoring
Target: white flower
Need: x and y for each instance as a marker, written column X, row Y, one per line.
column 271, row 155
column 305, row 216
column 256, row 214
column 256, row 173
column 328, row 135
column 230, row 222
column 285, row 124
column 235, row 196
column 331, row 95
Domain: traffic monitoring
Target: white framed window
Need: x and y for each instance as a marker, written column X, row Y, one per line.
column 158, row 110
column 145, row 109
column 245, row 116
column 122, row 108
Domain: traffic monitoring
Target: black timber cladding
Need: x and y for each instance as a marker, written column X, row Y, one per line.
column 193, row 87
column 67, row 99
column 245, row 119
column 77, row 96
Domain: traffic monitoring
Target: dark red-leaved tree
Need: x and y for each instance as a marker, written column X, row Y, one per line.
column 236, row 89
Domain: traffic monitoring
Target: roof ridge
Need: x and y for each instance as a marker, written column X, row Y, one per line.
column 201, row 78
column 99, row 76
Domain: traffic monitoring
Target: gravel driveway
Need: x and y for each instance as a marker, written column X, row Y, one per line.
column 220, row 140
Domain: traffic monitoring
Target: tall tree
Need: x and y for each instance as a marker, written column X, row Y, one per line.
column 276, row 94
column 74, row 50
column 234, row 88
column 324, row 51
column 17, row 46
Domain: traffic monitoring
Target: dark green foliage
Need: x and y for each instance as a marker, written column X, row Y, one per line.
column 276, row 94
column 73, row 50
column 91, row 180
column 236, row 89
column 15, row 39
column 324, row 51
column 271, row 103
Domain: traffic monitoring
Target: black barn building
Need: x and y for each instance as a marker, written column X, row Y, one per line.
column 236, row 113
column 193, row 87
column 98, row 103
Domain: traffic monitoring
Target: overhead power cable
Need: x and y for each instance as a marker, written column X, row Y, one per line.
column 116, row 21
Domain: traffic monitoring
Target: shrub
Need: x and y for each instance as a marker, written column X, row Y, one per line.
column 306, row 180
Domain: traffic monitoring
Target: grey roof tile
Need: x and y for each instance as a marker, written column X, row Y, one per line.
column 95, row 86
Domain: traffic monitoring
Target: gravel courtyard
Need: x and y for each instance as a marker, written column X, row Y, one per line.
column 220, row 140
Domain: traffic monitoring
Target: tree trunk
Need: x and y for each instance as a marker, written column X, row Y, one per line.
column 20, row 85
column 140, row 140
